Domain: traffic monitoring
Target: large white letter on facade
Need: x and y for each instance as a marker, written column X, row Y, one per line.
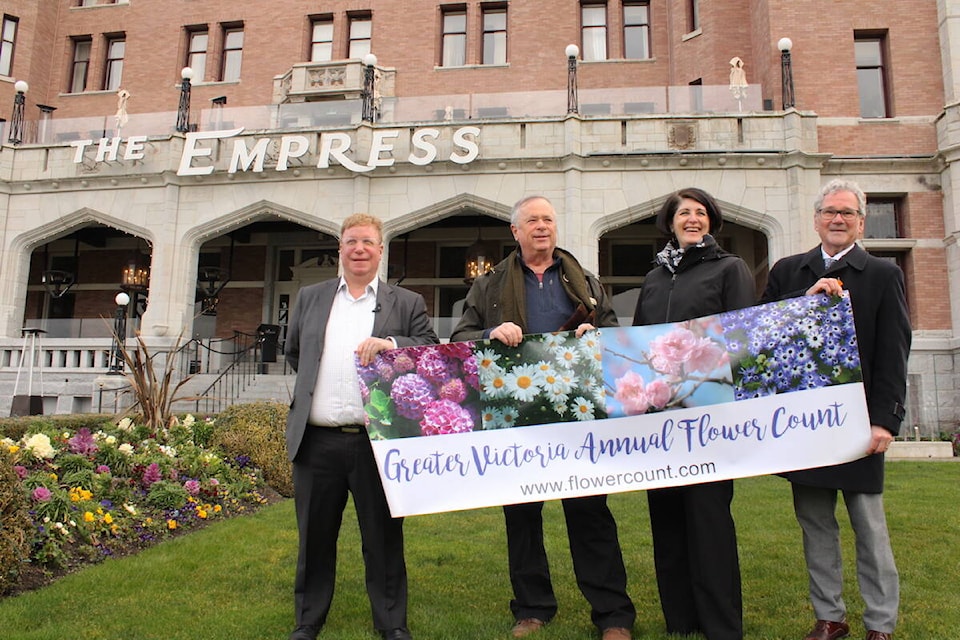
column 339, row 152
column 190, row 151
column 420, row 141
column 287, row 150
column 468, row 145
column 243, row 158
column 378, row 146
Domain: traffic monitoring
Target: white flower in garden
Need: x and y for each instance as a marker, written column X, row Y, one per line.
column 599, row 395
column 130, row 509
column 7, row 442
column 522, row 382
column 582, row 408
column 561, row 407
column 189, row 420
column 111, row 440
column 168, row 451
column 126, row 448
column 125, row 425
column 491, row 418
column 39, row 445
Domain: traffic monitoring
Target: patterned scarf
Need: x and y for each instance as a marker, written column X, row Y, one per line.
column 671, row 255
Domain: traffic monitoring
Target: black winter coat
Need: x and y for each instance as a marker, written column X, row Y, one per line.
column 708, row 280
column 883, row 338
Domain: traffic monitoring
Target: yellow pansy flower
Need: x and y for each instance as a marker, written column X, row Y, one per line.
column 88, row 517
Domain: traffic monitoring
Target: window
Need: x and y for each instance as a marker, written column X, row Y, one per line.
column 197, row 42
column 80, row 65
column 693, row 15
column 361, row 28
column 232, row 54
column 871, row 75
column 883, row 218
column 113, row 72
column 495, row 35
column 593, row 18
column 636, row 30
column 8, row 37
column 454, row 38
column 321, row 39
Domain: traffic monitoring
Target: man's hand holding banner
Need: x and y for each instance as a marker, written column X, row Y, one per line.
column 762, row 390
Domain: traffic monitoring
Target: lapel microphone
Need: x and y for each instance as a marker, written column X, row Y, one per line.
column 377, row 308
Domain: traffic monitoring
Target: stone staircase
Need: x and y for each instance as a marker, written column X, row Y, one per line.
column 270, row 384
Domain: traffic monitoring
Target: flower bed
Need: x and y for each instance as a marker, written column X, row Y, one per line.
column 95, row 494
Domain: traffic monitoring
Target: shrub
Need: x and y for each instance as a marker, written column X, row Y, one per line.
column 15, row 524
column 257, row 430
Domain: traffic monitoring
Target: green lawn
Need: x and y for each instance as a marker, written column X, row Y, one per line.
column 233, row 580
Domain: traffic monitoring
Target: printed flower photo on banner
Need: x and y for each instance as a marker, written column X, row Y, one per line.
column 421, row 391
column 792, row 345
column 666, row 366
column 548, row 378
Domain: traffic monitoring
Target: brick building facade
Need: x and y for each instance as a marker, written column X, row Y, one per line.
column 484, row 86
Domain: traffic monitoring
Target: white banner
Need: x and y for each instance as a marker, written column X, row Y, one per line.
column 754, row 437
column 763, row 390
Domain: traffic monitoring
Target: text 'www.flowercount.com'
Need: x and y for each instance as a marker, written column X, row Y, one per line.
column 639, row 479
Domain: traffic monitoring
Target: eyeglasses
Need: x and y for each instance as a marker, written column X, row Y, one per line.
column 846, row 214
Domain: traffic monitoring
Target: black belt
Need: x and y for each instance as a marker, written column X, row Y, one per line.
column 350, row 428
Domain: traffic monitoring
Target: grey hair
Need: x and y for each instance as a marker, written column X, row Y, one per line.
column 838, row 185
column 515, row 212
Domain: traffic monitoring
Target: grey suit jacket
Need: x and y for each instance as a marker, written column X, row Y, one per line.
column 401, row 314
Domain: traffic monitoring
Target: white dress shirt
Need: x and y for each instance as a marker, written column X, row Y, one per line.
column 336, row 397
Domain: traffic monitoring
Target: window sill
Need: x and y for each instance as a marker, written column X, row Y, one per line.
column 472, row 66
column 690, row 36
column 889, row 244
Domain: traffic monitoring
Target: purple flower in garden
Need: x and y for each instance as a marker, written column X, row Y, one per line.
column 445, row 416
column 21, row 471
column 106, row 504
column 213, row 482
column 83, row 443
column 192, row 487
column 41, row 494
column 103, row 468
column 454, row 390
column 151, row 474
column 411, row 394
column 436, row 367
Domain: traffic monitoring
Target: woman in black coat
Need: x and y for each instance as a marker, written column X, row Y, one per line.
column 694, row 538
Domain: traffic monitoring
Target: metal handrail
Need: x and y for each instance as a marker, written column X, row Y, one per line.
column 233, row 380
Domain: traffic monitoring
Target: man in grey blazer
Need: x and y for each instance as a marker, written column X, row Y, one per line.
column 333, row 323
column 883, row 337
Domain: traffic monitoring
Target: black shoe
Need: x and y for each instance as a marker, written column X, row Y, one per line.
column 396, row 634
column 305, row 632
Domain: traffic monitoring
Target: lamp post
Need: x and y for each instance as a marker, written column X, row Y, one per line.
column 786, row 72
column 119, row 331
column 572, row 104
column 183, row 110
column 369, row 113
column 16, row 120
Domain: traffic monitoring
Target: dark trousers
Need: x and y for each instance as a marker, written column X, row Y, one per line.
column 695, row 554
column 328, row 465
column 597, row 562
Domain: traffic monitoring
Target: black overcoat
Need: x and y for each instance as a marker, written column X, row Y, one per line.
column 883, row 337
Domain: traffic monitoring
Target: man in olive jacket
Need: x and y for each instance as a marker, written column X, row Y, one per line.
column 883, row 336
column 539, row 289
